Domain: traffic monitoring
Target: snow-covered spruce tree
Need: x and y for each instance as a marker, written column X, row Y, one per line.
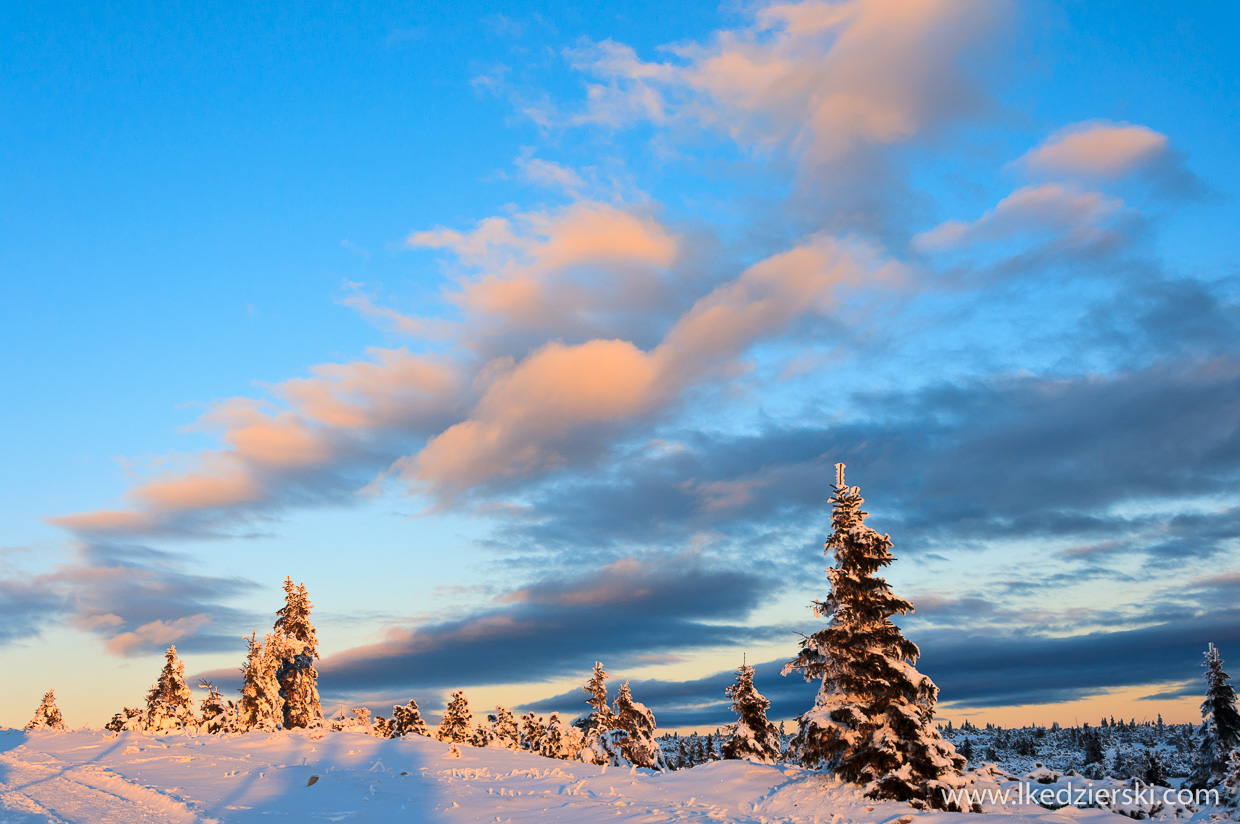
column 456, row 726
column 47, row 716
column 1150, row 769
column 872, row 722
column 170, row 703
column 532, row 731
column 1231, row 784
column 298, row 647
column 483, row 735
column 754, row 738
column 554, row 741
column 217, row 714
column 601, row 717
column 261, row 706
column 1220, row 724
column 636, row 721
column 505, row 725
column 406, row 720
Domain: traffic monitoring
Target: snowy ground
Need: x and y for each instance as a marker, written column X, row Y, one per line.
column 97, row 777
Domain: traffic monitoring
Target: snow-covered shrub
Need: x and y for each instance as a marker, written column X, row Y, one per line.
column 456, row 726
column 47, row 716
column 128, row 719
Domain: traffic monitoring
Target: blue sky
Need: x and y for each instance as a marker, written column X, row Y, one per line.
column 529, row 335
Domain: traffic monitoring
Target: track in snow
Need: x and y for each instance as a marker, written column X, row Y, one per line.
column 57, row 793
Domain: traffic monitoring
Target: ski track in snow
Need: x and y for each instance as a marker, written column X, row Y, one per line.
column 93, row 776
column 49, row 790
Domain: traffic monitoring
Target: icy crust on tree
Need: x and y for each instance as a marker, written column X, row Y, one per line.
column 47, row 716
column 872, row 720
column 753, row 738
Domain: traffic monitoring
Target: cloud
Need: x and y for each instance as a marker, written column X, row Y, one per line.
column 1098, row 149
column 820, row 80
column 136, row 600
column 1120, row 461
column 583, row 271
column 549, row 174
column 555, row 407
column 316, row 439
column 623, row 610
column 1070, row 217
column 25, row 607
column 155, row 634
column 972, row 669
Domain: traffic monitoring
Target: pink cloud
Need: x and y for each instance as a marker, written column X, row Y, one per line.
column 820, row 79
column 305, row 438
column 581, row 271
column 555, row 405
column 1097, row 149
column 156, row 633
column 1046, row 209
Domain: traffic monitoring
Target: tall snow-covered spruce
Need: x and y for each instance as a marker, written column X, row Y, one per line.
column 754, row 737
column 297, row 647
column 872, row 722
column 1221, row 724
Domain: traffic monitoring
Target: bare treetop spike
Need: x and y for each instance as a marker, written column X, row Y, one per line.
column 839, row 474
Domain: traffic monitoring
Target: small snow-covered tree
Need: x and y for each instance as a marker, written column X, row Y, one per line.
column 261, row 706
column 217, row 714
column 754, row 738
column 407, row 720
column 1231, row 784
column 601, row 717
column 636, row 721
column 298, row 647
column 872, row 721
column 47, row 716
column 1220, row 727
column 555, row 739
column 505, row 726
column 532, row 731
column 1150, row 769
column 456, row 726
column 170, row 703
column 482, row 736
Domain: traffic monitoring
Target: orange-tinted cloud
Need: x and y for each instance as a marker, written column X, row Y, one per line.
column 1050, row 208
column 573, row 272
column 1097, row 149
column 558, row 403
column 313, row 437
column 820, row 79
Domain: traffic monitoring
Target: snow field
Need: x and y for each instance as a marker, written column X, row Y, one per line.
column 133, row 778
